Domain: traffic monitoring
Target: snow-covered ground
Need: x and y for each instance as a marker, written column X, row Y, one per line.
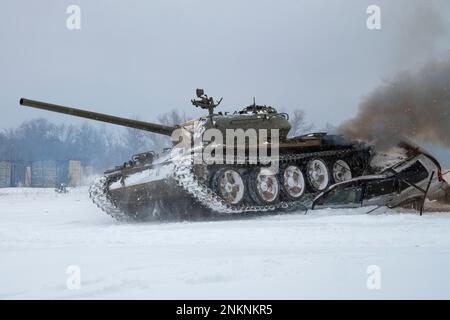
column 323, row 254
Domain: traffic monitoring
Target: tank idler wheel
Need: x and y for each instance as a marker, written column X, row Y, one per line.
column 264, row 187
column 318, row 175
column 229, row 185
column 341, row 171
column 292, row 182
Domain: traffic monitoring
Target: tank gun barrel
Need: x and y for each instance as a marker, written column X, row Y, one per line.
column 147, row 126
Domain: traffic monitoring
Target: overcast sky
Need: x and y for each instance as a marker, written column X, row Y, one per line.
column 141, row 58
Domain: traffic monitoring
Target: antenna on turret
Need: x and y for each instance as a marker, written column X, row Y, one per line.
column 254, row 105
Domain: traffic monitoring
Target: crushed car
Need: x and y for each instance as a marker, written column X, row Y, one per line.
column 406, row 184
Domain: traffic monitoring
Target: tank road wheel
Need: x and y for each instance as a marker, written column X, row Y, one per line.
column 264, row 188
column 293, row 182
column 229, row 185
column 318, row 175
column 341, row 171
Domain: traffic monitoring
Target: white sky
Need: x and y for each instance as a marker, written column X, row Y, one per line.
column 141, row 58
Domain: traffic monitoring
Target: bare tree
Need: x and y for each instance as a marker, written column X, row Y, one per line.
column 299, row 125
column 40, row 139
column 330, row 128
column 172, row 118
column 137, row 140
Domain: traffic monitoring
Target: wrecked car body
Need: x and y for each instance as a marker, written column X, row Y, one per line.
column 406, row 184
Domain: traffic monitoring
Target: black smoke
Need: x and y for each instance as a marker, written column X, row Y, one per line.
column 411, row 106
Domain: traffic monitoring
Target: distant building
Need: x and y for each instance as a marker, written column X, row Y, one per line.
column 19, row 171
column 44, row 174
column 5, row 174
column 41, row 174
column 74, row 173
column 27, row 182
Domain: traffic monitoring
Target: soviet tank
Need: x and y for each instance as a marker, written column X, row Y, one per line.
column 181, row 181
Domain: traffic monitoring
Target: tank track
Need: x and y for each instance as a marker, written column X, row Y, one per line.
column 209, row 199
column 203, row 195
column 98, row 192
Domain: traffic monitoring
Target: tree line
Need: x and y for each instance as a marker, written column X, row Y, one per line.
column 95, row 145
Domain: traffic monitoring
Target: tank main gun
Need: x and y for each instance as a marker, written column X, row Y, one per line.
column 141, row 125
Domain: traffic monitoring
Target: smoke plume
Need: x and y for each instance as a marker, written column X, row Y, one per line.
column 423, row 29
column 412, row 106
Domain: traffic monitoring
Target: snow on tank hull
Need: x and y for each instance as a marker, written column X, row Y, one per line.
column 141, row 191
column 174, row 187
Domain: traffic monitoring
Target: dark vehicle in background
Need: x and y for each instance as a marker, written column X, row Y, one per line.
column 406, row 184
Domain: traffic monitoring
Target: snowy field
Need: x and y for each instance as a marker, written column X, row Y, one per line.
column 323, row 254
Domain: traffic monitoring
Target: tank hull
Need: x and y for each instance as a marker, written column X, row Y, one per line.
column 174, row 187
